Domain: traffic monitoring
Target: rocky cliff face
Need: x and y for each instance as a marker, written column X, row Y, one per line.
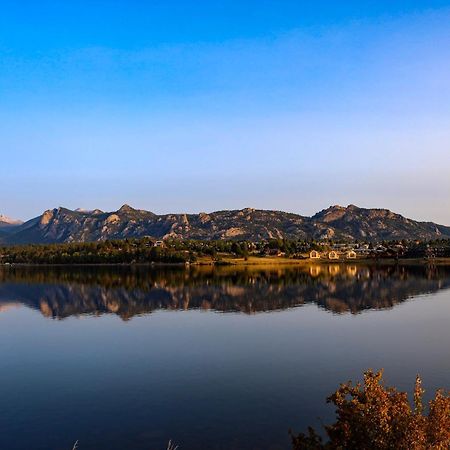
column 64, row 225
column 375, row 224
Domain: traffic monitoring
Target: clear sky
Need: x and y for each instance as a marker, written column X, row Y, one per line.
column 188, row 106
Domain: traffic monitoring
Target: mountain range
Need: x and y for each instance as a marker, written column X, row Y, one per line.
column 336, row 222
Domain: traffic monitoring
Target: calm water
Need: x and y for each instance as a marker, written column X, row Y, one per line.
column 225, row 359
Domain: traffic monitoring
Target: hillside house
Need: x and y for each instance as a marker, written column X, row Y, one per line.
column 159, row 244
column 351, row 254
column 333, row 255
column 274, row 252
column 340, row 247
column 314, row 254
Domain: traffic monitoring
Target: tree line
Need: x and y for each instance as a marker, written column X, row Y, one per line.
column 176, row 251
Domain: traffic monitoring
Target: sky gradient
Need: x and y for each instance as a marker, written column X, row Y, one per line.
column 177, row 106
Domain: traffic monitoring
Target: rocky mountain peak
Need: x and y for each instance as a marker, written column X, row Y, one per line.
column 330, row 214
column 8, row 221
column 88, row 211
column 126, row 209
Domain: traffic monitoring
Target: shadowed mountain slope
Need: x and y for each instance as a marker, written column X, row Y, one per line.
column 64, row 225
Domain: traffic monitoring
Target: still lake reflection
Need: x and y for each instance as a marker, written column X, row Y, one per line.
column 218, row 359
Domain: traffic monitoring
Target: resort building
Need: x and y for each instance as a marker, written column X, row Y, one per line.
column 333, row 255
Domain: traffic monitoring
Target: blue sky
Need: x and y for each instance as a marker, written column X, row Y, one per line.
column 196, row 106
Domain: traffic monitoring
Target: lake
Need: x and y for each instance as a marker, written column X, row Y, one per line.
column 225, row 358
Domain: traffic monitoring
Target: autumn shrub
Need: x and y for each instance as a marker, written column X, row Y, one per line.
column 372, row 416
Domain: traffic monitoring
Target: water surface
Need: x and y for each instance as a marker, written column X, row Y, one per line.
column 219, row 359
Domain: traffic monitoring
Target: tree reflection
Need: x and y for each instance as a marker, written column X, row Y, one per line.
column 60, row 292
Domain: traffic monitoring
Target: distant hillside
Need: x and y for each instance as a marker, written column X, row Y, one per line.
column 376, row 224
column 337, row 222
column 8, row 226
column 7, row 222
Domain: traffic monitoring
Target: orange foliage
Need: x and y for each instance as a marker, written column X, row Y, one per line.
column 372, row 416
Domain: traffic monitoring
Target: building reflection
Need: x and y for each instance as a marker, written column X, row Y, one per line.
column 130, row 291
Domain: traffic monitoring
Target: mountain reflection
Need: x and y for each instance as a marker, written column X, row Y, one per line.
column 129, row 291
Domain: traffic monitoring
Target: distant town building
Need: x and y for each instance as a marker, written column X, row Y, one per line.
column 274, row 252
column 333, row 255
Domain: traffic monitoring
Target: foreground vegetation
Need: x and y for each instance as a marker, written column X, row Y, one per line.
column 372, row 416
column 146, row 250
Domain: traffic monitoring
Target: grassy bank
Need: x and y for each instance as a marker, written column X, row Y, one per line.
column 251, row 261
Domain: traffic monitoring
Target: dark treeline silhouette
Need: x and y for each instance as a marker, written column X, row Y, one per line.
column 174, row 251
column 60, row 292
column 144, row 250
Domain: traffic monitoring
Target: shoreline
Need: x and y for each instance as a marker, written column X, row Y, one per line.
column 252, row 261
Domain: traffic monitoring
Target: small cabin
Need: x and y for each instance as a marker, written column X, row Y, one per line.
column 333, row 255
column 351, row 254
column 314, row 254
